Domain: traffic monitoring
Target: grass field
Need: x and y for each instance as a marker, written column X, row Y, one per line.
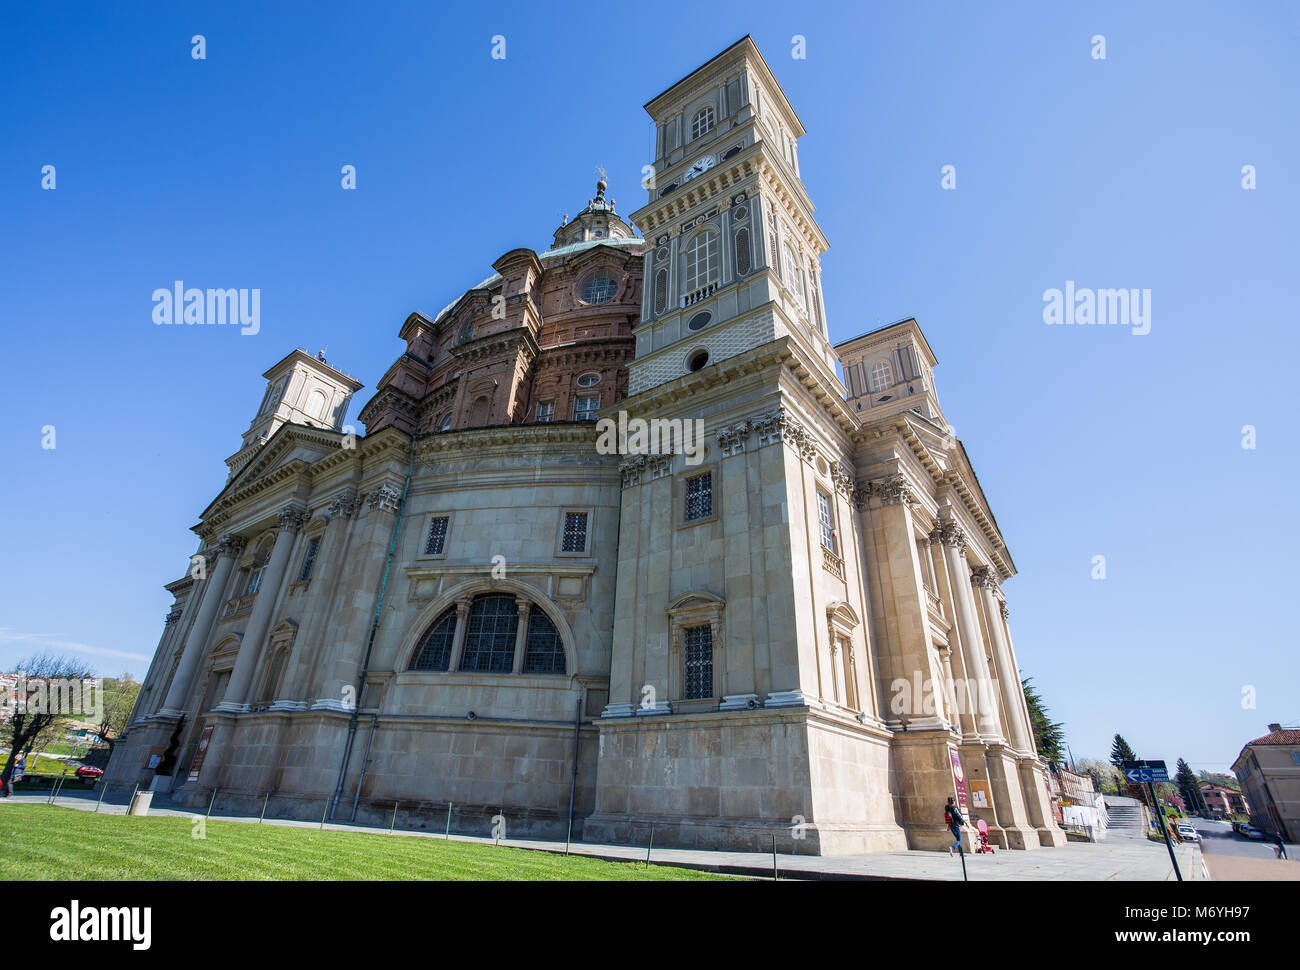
column 46, row 842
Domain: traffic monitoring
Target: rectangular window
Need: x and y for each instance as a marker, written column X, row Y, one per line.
column 699, row 662
column 436, row 541
column 309, row 561
column 1295, row 756
column 585, row 407
column 575, row 532
column 546, row 411
column 699, row 496
column 254, row 581
column 824, row 518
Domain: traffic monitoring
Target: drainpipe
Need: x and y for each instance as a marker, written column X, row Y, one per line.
column 370, row 642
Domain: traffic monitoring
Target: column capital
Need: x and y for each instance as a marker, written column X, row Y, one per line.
column 949, row 533
column 982, row 577
column 891, row 490
column 346, row 504
column 291, row 518
column 230, row 545
column 386, row 498
column 1002, row 608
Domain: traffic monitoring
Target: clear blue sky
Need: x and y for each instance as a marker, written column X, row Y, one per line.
column 1088, row 441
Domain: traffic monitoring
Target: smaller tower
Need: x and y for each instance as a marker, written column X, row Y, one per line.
column 597, row 221
column 300, row 389
column 891, row 369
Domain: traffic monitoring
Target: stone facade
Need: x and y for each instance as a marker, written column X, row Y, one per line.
column 792, row 627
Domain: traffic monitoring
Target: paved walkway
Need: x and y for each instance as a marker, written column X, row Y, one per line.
column 1117, row 859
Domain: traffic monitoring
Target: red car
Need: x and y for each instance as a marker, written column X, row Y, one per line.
column 86, row 771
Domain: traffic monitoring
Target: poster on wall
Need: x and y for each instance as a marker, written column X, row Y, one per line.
column 979, row 794
column 959, row 779
column 204, row 739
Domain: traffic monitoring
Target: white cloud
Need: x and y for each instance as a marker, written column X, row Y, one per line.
column 46, row 642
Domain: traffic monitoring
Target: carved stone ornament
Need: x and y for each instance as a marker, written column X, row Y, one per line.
column 385, row 498
column 949, row 533
column 1002, row 608
column 346, row 504
column 230, row 545
column 292, row 517
column 632, row 468
column 981, row 578
column 892, row 490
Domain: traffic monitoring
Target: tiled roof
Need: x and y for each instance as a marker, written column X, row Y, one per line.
column 1285, row 736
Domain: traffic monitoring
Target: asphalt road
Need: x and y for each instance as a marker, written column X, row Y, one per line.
column 1217, row 838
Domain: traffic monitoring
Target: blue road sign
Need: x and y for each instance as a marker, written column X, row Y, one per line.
column 1146, row 771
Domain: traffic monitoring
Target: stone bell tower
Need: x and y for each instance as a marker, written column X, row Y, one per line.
column 300, row 389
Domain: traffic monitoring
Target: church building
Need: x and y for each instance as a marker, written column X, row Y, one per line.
column 477, row 610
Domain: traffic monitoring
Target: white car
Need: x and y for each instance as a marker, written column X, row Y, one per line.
column 1188, row 833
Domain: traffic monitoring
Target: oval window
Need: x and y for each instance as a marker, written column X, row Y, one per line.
column 599, row 289
column 699, row 321
column 698, row 360
column 588, row 380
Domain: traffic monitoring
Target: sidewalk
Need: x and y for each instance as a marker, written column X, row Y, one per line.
column 1118, row 859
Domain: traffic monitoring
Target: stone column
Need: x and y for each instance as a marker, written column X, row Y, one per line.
column 521, row 634
column 236, row 700
column 462, row 628
column 1008, row 675
column 977, row 665
column 227, row 550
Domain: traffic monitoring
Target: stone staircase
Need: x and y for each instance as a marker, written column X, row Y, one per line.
column 1126, row 818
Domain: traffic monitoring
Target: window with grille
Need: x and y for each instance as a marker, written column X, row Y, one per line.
column 661, row 291
column 575, row 532
column 742, row 252
column 434, row 652
column 599, row 289
column 543, row 651
column 435, row 542
column 699, row 662
column 702, row 261
column 490, row 634
column 881, row 376
column 824, row 519
column 546, row 411
column 308, row 561
column 703, row 122
column 699, row 496
column 585, row 407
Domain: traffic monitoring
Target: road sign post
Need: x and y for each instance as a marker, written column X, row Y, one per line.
column 1148, row 773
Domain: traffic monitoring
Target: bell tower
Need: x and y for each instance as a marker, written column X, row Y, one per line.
column 733, row 253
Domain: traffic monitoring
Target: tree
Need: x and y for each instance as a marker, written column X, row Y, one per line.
column 1189, row 787
column 1049, row 735
column 1121, row 752
column 1105, row 776
column 49, row 691
column 1216, row 778
column 117, row 701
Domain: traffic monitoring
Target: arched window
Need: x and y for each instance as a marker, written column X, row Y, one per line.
column 880, row 376
column 661, row 291
column 742, row 252
column 599, row 288
column 434, row 652
column 490, row 635
column 703, row 123
column 544, row 653
column 702, row 261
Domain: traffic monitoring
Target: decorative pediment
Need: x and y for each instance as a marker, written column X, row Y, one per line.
column 695, row 600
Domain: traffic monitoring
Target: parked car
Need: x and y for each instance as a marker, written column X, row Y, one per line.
column 1247, row 830
column 1187, row 833
column 86, row 771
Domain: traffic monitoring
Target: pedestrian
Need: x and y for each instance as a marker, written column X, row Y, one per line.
column 1280, row 849
column 953, row 819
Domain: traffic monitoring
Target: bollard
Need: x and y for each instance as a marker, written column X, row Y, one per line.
column 775, row 877
column 393, row 823
column 324, row 813
column 448, row 833
column 264, row 801
column 102, row 789
column 211, row 803
column 649, row 847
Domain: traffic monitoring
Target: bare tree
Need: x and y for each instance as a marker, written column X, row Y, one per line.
column 47, row 685
column 118, row 698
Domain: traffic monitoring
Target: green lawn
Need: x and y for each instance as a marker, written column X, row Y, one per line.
column 47, row 842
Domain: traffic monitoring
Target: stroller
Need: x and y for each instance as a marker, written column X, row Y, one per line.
column 982, row 843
